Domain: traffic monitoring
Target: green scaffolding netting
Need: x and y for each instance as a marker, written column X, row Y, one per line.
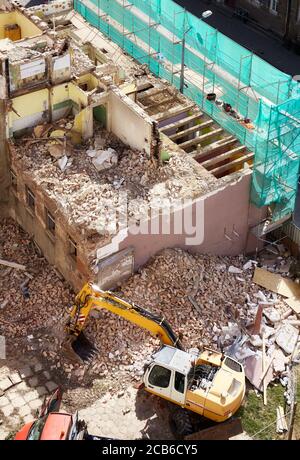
column 153, row 32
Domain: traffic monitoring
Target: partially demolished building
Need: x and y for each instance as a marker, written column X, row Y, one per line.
column 104, row 164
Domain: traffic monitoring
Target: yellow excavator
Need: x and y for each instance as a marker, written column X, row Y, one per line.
column 208, row 383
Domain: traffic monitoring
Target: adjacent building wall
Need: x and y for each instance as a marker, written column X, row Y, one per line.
column 281, row 22
column 222, row 221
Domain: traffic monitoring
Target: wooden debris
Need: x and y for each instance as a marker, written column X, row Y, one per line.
column 294, row 304
column 264, row 370
column 12, row 264
column 281, row 425
column 276, row 283
column 257, row 322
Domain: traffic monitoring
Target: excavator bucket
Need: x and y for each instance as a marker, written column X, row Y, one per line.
column 79, row 348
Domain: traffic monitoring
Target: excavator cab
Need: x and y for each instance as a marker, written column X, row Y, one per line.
column 210, row 384
column 166, row 376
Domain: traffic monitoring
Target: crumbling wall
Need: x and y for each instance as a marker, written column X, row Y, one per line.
column 28, row 110
column 129, row 123
column 55, row 247
column 60, row 68
column 37, row 107
column 54, row 7
column 28, row 73
column 4, row 169
column 32, row 72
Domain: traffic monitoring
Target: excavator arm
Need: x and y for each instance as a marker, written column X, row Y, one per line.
column 91, row 297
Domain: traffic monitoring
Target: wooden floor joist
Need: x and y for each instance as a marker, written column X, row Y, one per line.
column 172, row 112
column 199, row 139
column 224, row 156
column 167, row 100
column 215, row 147
column 184, row 121
column 150, row 93
column 191, row 130
column 232, row 164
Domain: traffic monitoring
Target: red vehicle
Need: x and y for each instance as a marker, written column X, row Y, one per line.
column 54, row 425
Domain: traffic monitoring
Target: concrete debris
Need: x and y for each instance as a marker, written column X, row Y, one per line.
column 235, row 270
column 267, row 331
column 249, row 264
column 256, row 341
column 80, row 61
column 296, row 354
column 104, row 159
column 253, row 371
column 279, row 361
column 286, row 338
column 87, row 199
column 220, row 267
column 244, row 353
column 272, row 314
column 62, row 162
column 261, row 296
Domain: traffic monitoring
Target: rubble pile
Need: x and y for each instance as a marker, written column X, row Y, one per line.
column 211, row 301
column 81, row 63
column 31, row 300
column 208, row 300
column 89, row 197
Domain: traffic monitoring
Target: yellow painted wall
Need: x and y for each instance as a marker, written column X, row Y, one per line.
column 28, row 28
column 83, row 124
column 77, row 95
column 90, row 79
column 60, row 93
column 29, row 104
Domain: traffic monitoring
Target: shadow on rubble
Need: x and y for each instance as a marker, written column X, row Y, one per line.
column 155, row 411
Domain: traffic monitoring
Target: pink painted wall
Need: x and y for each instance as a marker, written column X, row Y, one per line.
column 225, row 211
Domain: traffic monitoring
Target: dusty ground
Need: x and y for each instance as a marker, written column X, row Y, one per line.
column 142, row 415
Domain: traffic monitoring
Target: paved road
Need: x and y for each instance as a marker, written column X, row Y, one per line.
column 22, row 390
column 132, row 415
column 268, row 48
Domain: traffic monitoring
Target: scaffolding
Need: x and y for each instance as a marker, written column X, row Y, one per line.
column 159, row 33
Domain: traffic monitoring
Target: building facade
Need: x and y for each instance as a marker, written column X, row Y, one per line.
column 281, row 17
